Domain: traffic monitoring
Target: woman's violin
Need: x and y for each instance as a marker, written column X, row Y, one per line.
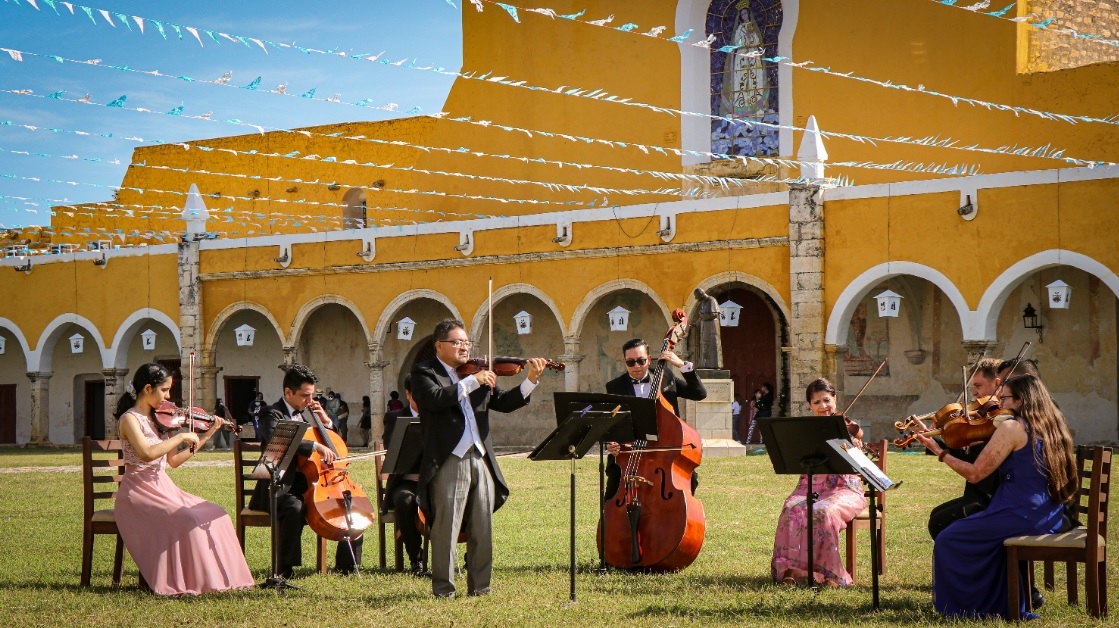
column 172, row 417
column 503, row 366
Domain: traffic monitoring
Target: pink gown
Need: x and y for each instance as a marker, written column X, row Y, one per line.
column 183, row 545
column 841, row 500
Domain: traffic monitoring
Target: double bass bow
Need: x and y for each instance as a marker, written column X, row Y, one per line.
column 653, row 521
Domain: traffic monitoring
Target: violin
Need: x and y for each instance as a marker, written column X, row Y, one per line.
column 503, row 366
column 171, row 417
column 853, row 428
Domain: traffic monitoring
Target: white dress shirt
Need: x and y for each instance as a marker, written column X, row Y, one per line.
column 641, row 389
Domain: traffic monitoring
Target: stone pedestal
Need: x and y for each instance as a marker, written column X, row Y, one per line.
column 711, row 417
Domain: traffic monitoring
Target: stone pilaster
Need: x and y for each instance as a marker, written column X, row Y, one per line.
column 571, row 357
column 806, row 282
column 377, row 390
column 115, row 382
column 190, row 309
column 40, row 407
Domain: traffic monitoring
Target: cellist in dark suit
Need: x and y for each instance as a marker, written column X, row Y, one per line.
column 460, row 481
column 636, row 382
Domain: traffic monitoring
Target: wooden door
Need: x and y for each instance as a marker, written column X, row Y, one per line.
column 750, row 349
column 8, row 413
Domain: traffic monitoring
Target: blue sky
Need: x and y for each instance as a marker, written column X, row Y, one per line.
column 428, row 31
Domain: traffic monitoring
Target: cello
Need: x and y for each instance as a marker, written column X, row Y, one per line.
column 337, row 507
column 654, row 522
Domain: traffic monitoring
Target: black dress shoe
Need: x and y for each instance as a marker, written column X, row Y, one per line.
column 419, row 570
column 1037, row 599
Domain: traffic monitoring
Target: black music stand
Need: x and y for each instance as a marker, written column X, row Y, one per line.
column 404, row 453
column 641, row 424
column 274, row 459
column 877, row 481
column 584, row 425
column 799, row 445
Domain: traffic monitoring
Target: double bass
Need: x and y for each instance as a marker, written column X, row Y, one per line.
column 654, row 522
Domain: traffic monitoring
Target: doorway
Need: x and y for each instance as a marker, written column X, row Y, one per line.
column 750, row 350
column 240, row 391
column 95, row 409
column 8, row 413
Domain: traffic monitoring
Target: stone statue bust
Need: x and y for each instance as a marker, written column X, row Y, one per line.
column 708, row 349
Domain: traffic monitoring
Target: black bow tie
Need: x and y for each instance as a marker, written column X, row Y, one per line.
column 643, row 380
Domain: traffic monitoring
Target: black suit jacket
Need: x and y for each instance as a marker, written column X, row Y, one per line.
column 292, row 481
column 673, row 387
column 444, row 423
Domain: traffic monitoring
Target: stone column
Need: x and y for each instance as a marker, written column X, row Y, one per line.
column 806, row 282
column 377, row 392
column 977, row 349
column 206, row 389
column 40, row 407
column 571, row 357
column 291, row 355
column 190, row 309
column 115, row 382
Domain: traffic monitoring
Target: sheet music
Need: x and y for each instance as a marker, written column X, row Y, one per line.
column 859, row 461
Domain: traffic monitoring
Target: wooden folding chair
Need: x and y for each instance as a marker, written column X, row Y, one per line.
column 1087, row 544
column 247, row 517
column 101, row 521
column 862, row 522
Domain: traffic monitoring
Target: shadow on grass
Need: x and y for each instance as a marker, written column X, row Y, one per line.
column 799, row 606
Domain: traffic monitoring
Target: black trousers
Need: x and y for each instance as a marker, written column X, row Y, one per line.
column 293, row 516
column 953, row 510
column 406, row 505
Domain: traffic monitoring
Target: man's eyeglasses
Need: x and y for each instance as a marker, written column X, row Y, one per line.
column 637, row 361
column 459, row 344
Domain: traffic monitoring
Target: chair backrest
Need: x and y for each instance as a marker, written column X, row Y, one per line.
column 877, row 451
column 242, row 468
column 100, row 470
column 1099, row 489
column 380, row 461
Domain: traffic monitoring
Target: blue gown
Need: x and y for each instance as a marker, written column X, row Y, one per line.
column 969, row 560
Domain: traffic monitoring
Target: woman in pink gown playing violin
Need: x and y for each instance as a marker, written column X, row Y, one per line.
column 183, row 545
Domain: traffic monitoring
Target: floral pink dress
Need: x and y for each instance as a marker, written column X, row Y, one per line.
column 183, row 545
column 841, row 500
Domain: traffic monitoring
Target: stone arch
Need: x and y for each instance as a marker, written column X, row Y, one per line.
column 127, row 331
column 16, row 332
column 354, row 209
column 385, row 321
column 506, row 291
column 233, row 308
column 852, row 295
column 987, row 315
column 695, row 79
column 593, row 296
column 309, row 308
column 733, row 276
column 40, row 358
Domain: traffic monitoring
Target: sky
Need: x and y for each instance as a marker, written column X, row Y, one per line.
column 72, row 135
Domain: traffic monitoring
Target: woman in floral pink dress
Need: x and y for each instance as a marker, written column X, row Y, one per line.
column 840, row 500
column 183, row 545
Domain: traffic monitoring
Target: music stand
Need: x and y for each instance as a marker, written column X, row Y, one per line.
column 274, row 459
column 877, row 481
column 585, row 424
column 799, row 445
column 642, row 420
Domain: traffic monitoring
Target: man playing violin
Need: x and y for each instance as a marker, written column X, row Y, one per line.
column 977, row 495
column 299, row 392
column 636, row 382
column 460, row 482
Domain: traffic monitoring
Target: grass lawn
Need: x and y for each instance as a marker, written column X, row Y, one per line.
column 40, row 560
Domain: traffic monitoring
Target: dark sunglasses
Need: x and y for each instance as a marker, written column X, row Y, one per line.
column 637, row 362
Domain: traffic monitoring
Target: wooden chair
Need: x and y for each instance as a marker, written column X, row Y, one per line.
column 101, row 521
column 862, row 522
column 385, row 516
column 1083, row 455
column 1086, row 544
column 247, row 517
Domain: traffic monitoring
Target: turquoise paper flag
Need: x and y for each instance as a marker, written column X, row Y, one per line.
column 118, row 102
column 511, row 10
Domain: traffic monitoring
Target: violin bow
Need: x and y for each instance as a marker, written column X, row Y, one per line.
column 190, row 394
column 1014, row 365
column 863, row 389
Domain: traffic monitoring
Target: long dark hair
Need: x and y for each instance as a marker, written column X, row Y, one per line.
column 151, row 374
column 1046, row 423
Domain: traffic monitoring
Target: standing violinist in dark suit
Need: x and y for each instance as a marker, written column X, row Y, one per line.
column 298, row 399
column 460, row 482
column 636, row 382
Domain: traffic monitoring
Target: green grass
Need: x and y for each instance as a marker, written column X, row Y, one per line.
column 40, row 560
